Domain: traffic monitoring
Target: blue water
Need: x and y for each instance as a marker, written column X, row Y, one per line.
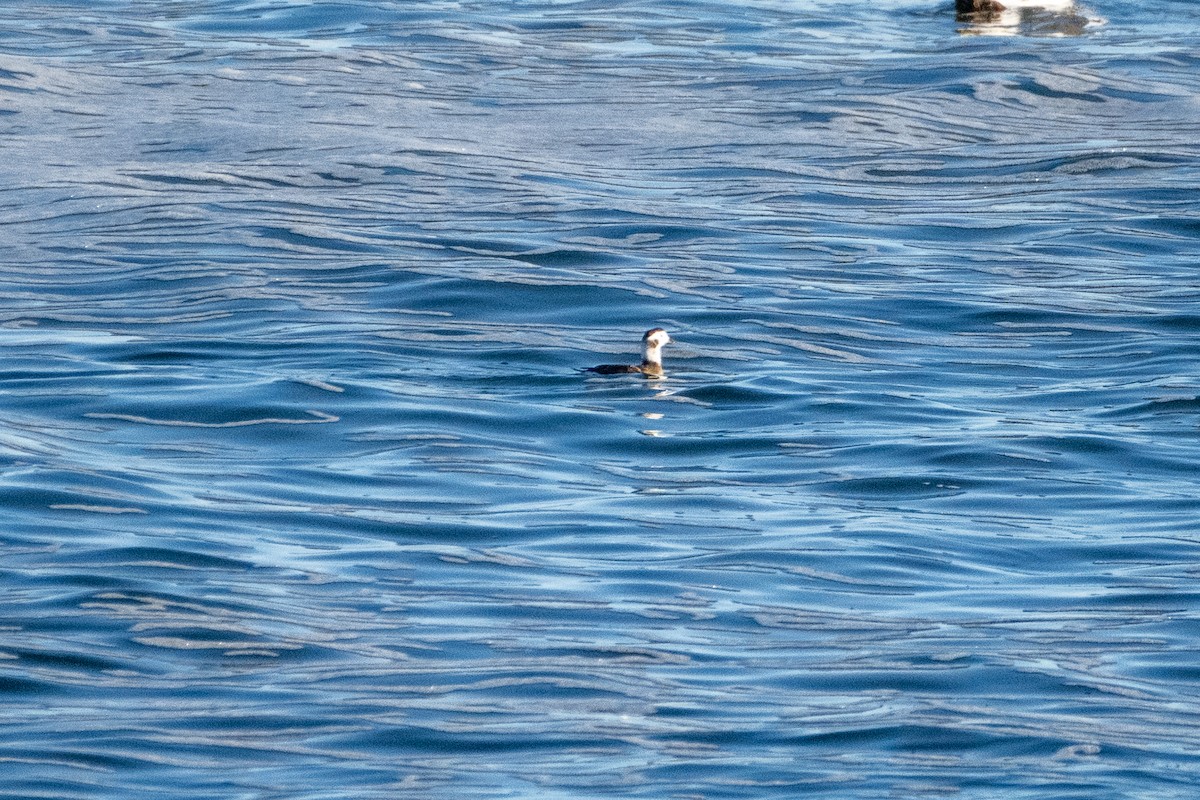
column 304, row 495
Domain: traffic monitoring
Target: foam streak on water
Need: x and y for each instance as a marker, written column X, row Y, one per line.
column 305, row 496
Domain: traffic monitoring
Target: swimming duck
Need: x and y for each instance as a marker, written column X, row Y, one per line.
column 993, row 10
column 652, row 345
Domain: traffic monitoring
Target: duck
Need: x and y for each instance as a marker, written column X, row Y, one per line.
column 651, row 366
column 995, row 10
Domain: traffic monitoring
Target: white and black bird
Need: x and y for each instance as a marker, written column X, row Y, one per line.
column 997, row 10
column 652, row 345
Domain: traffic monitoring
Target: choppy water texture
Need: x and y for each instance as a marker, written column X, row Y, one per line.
column 304, row 495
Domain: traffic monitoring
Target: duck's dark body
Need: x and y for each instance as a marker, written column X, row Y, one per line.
column 614, row 369
column 978, row 6
column 645, row 368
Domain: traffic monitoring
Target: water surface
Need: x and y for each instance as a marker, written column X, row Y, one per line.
column 306, row 497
